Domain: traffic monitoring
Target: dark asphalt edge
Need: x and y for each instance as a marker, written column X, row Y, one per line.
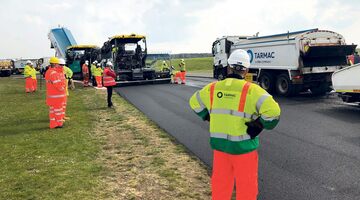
column 171, row 137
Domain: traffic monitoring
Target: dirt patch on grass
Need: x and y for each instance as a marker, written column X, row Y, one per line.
column 141, row 161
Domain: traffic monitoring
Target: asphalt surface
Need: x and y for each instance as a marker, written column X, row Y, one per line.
column 314, row 152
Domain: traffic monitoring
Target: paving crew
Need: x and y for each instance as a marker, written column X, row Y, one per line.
column 238, row 111
column 92, row 68
column 55, row 93
column 29, row 86
column 98, row 71
column 68, row 73
column 183, row 71
column 164, row 67
column 85, row 71
column 109, row 81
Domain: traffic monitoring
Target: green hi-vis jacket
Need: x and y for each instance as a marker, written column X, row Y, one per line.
column 231, row 103
column 182, row 67
column 68, row 72
column 92, row 69
column 98, row 71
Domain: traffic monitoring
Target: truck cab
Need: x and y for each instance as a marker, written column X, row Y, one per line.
column 76, row 56
column 128, row 54
column 221, row 51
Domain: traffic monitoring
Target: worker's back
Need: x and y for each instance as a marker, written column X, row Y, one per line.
column 231, row 103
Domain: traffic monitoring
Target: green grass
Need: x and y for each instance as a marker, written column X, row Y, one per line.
column 39, row 163
column 192, row 64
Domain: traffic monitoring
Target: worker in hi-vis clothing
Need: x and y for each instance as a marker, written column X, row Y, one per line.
column 238, row 111
column 92, row 68
column 55, row 93
column 164, row 66
column 109, row 81
column 33, row 73
column 68, row 73
column 98, row 71
column 85, row 72
column 183, row 71
column 29, row 86
column 181, row 74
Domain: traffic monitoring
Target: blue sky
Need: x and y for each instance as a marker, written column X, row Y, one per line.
column 175, row 26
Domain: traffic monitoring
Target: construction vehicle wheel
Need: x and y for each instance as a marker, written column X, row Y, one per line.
column 266, row 81
column 284, row 86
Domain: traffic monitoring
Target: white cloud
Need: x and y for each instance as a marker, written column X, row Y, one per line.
column 171, row 25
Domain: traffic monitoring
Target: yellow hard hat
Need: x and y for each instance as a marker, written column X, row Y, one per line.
column 54, row 60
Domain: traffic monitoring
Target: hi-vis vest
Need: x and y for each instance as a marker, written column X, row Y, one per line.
column 231, row 103
column 108, row 77
column 55, row 87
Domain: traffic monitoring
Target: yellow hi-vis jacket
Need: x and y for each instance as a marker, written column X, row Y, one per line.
column 182, row 67
column 27, row 71
column 68, row 72
column 33, row 73
column 92, row 69
column 98, row 71
column 231, row 103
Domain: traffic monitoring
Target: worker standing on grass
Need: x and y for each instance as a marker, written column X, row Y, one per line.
column 92, row 69
column 55, row 93
column 85, row 72
column 33, row 73
column 68, row 73
column 238, row 111
column 29, row 86
column 98, row 71
column 109, row 81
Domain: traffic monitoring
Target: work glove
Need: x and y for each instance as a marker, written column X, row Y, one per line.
column 254, row 128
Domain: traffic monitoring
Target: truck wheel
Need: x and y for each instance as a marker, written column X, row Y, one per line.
column 266, row 82
column 284, row 87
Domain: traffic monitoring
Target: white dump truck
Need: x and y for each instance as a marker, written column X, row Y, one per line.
column 288, row 63
column 346, row 83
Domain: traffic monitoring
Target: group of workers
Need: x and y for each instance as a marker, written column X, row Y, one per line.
column 176, row 75
column 58, row 77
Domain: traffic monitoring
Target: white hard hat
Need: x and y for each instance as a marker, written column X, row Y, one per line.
column 86, row 62
column 239, row 57
column 29, row 62
column 61, row 61
column 182, row 60
column 95, row 61
column 109, row 63
column 98, row 65
column 164, row 61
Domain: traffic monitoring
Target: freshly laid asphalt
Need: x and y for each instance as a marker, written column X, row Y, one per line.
column 314, row 152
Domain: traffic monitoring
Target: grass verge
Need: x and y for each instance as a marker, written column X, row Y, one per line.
column 101, row 153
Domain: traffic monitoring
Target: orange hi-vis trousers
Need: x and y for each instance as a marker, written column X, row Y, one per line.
column 34, row 81
column 98, row 81
column 183, row 77
column 242, row 168
column 29, row 85
column 56, row 115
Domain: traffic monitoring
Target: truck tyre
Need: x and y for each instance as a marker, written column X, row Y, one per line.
column 284, row 87
column 266, row 81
